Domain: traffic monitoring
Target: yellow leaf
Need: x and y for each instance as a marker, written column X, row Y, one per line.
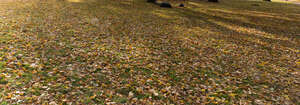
column 19, row 63
column 181, row 101
column 103, row 85
column 127, row 85
column 263, row 64
column 18, row 83
column 232, row 94
column 287, row 97
column 163, row 90
column 19, row 74
column 8, row 96
column 102, row 48
column 94, row 96
column 34, row 71
column 211, row 98
column 15, row 71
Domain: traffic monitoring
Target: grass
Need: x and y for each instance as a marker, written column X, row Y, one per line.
column 102, row 51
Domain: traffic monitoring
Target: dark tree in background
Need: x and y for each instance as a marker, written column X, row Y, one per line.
column 213, row 0
column 166, row 5
column 151, row 1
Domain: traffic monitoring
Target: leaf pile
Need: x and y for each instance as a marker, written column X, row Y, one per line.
column 129, row 51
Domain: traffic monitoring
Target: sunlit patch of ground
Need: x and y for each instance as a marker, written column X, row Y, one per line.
column 76, row 1
column 288, row 1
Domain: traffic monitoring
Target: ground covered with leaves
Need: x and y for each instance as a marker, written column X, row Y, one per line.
column 129, row 51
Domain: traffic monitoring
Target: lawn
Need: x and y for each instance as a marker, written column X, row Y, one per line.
column 130, row 51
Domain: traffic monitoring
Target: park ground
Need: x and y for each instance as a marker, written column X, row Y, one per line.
column 130, row 51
